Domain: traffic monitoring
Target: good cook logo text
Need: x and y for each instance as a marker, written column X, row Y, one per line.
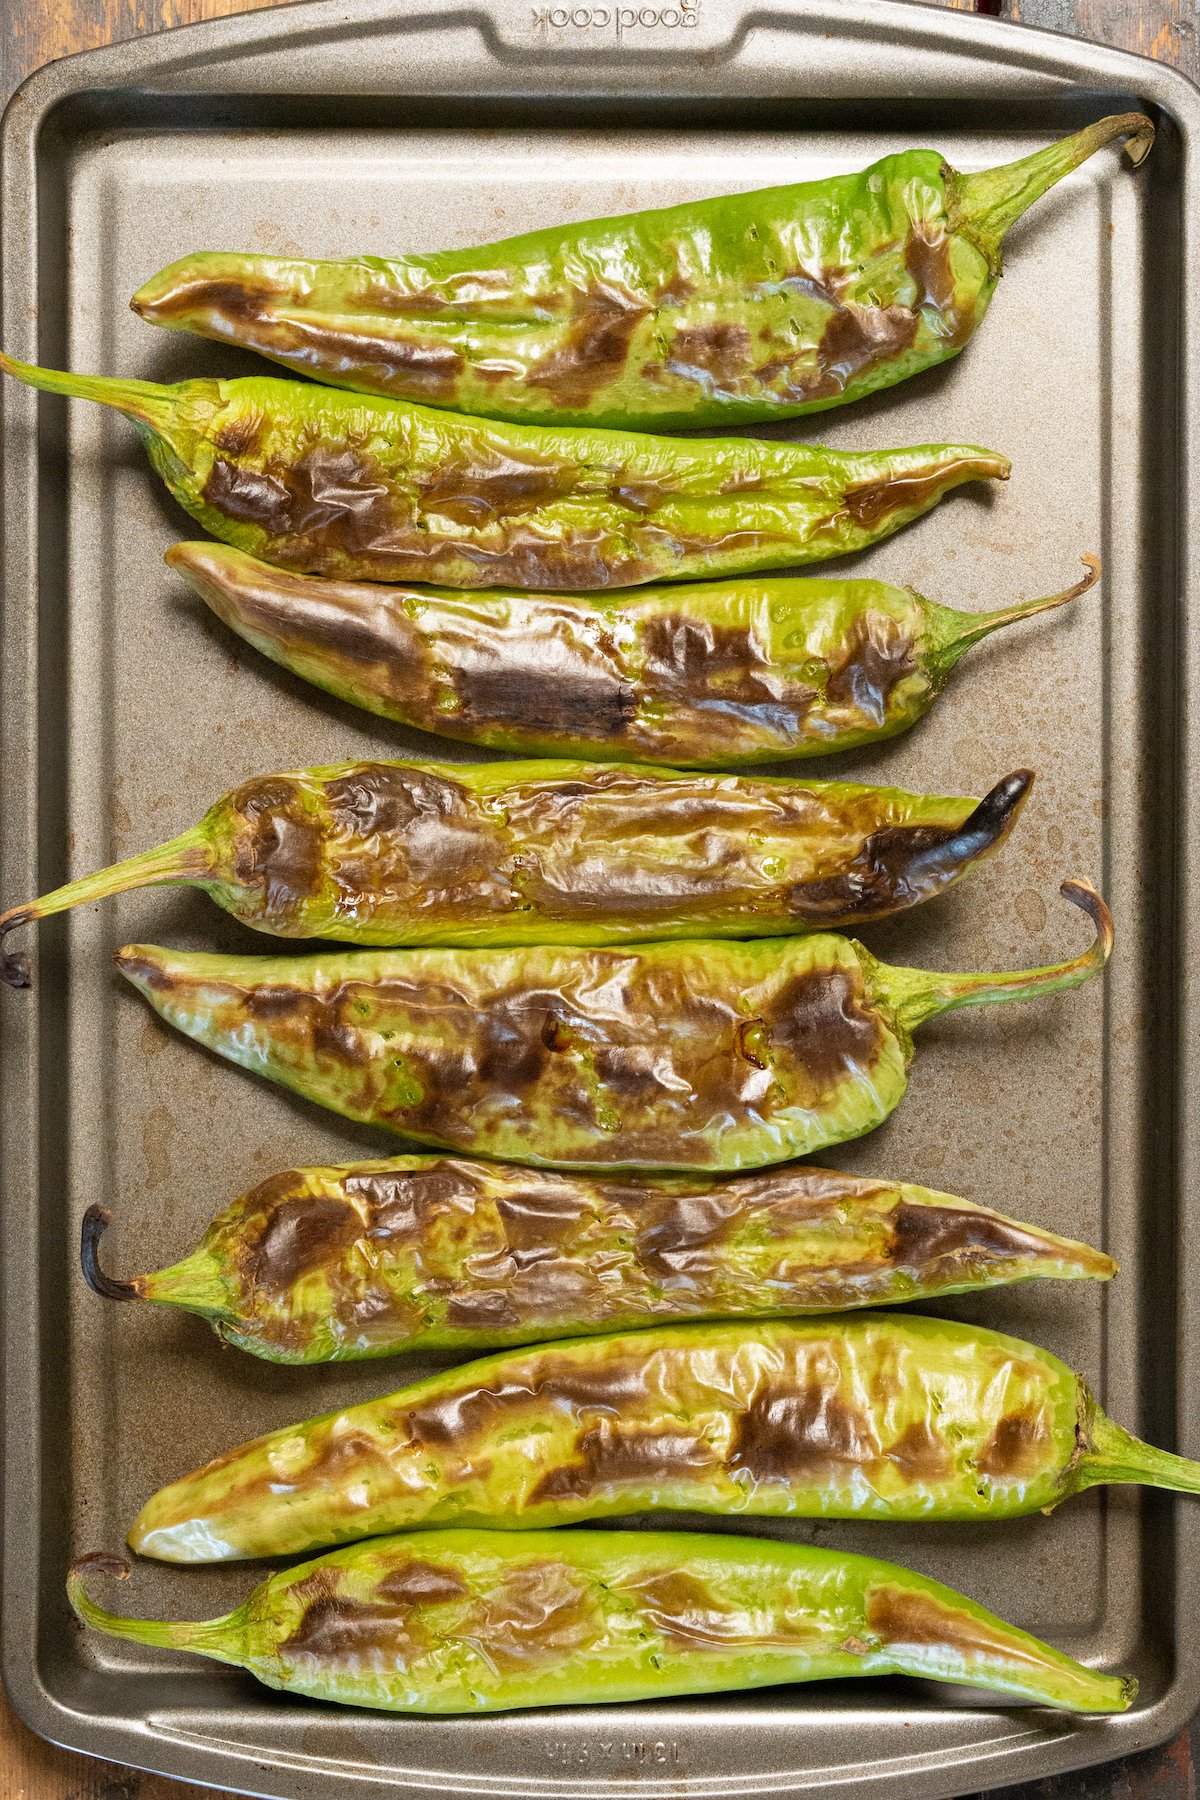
column 676, row 15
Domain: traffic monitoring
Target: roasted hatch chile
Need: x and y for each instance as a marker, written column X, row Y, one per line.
column 716, row 312
column 329, row 483
column 673, row 1056
column 553, row 852
column 868, row 1416
column 714, row 674
column 431, row 1253
column 480, row 1621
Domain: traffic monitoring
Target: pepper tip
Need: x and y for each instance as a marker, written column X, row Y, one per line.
column 15, row 971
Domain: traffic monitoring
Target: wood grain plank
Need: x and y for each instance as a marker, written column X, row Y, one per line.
column 37, row 32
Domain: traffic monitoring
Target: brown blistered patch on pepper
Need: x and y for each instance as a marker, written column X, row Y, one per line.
column 679, row 1238
column 277, row 849
column 609, row 1455
column 542, row 1613
column 298, row 1236
column 687, row 1615
column 241, row 301
column 801, row 1431
column 595, row 348
column 335, row 1626
column 582, row 691
column 919, row 1453
column 821, row 1021
column 927, row 260
column 1018, row 1446
column 718, row 355
column 878, row 655
column 331, row 504
column 871, row 502
column 933, row 1238
column 899, row 1615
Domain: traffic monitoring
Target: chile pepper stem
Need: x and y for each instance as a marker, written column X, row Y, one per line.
column 1115, row 1455
column 146, row 401
column 206, row 1636
column 917, row 994
column 187, row 858
column 961, row 630
column 96, row 1221
column 984, row 205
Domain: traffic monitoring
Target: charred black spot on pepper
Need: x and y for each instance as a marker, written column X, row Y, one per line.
column 793, row 1433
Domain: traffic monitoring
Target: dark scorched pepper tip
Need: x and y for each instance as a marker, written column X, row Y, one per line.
column 96, row 1221
column 985, row 830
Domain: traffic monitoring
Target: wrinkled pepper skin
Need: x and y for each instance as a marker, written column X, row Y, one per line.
column 714, row 1056
column 481, row 1621
column 328, row 483
column 716, row 312
column 870, row 1416
column 553, row 852
column 710, row 675
column 432, row 1253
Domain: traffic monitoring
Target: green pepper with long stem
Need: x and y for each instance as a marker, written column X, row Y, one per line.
column 675, row 1056
column 433, row 1253
column 711, row 674
column 869, row 1416
column 480, row 1621
column 716, row 312
column 552, row 852
column 329, row 483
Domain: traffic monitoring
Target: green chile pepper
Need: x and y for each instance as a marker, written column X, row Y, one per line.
column 480, row 1621
column 716, row 674
column 716, row 312
column 432, row 1253
column 329, row 483
column 674, row 1056
column 869, row 1416
column 553, row 852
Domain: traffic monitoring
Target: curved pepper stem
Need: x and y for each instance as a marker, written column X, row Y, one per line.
column 1115, row 1455
column 188, row 857
column 951, row 633
column 984, row 205
column 919, row 994
column 146, row 402
column 223, row 1638
column 96, row 1221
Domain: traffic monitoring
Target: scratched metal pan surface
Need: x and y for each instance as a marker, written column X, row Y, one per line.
column 382, row 127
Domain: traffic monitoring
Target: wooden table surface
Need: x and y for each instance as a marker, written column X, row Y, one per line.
column 37, row 31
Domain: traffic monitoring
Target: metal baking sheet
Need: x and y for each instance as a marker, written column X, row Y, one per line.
column 390, row 126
